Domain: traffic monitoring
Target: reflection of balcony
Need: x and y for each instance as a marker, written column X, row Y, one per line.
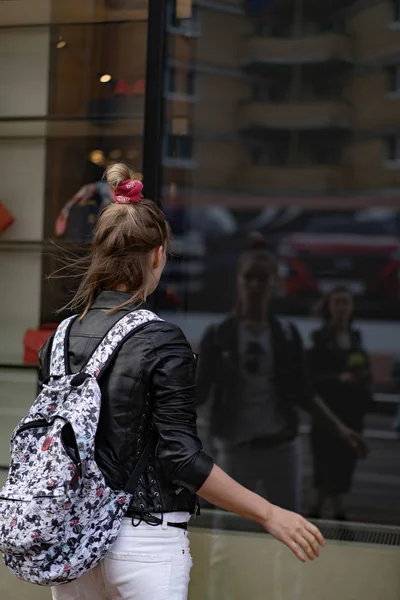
column 319, row 178
column 295, row 115
column 318, row 48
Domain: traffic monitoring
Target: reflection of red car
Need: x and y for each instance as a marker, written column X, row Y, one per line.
column 335, row 250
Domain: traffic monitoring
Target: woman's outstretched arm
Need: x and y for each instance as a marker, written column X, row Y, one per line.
column 287, row 527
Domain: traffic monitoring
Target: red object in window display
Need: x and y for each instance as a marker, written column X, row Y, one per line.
column 34, row 339
column 6, row 218
column 122, row 88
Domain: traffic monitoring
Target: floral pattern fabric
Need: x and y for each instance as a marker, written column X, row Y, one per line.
column 58, row 518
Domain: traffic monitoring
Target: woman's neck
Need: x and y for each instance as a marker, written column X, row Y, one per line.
column 340, row 327
column 121, row 287
column 255, row 319
column 258, row 314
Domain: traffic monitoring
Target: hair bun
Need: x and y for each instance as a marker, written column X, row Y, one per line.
column 117, row 173
column 257, row 241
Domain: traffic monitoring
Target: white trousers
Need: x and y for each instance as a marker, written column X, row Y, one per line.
column 145, row 563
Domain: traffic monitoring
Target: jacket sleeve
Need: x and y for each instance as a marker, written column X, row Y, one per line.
column 44, row 361
column 171, row 373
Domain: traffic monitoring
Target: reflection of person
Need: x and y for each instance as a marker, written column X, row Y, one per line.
column 341, row 375
column 252, row 370
column 148, row 387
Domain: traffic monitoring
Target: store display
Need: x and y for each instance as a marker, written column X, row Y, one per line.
column 127, row 100
column 34, row 339
column 6, row 218
column 79, row 215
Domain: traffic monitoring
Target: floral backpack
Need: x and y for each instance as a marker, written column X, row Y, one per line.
column 58, row 517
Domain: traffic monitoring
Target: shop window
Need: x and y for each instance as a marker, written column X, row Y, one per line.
column 183, row 17
column 395, row 11
column 180, row 82
column 179, row 146
column 393, row 79
column 273, row 26
column 262, row 92
column 179, row 141
column 261, row 156
column 170, row 80
column 393, row 150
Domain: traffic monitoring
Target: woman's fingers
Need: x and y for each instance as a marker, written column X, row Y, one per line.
column 297, row 533
column 307, row 540
column 311, row 540
column 291, row 544
column 305, row 546
column 315, row 532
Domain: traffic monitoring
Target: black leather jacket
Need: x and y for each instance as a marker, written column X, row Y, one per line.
column 219, row 376
column 150, row 383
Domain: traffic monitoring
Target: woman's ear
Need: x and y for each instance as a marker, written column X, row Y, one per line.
column 158, row 256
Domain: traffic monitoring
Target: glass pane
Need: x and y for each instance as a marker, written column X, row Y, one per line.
column 75, row 79
column 281, row 184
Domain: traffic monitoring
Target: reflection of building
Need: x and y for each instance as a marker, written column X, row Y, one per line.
column 300, row 97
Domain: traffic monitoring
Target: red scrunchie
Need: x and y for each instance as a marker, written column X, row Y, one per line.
column 129, row 192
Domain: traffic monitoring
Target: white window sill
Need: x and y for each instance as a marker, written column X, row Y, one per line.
column 394, row 95
column 392, row 165
column 394, row 25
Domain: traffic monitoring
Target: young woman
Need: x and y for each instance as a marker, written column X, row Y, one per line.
column 341, row 372
column 252, row 372
column 151, row 385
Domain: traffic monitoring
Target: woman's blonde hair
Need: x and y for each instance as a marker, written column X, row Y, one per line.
column 124, row 236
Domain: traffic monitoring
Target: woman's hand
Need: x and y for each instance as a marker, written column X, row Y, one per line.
column 348, row 377
column 300, row 536
column 287, row 527
column 355, row 440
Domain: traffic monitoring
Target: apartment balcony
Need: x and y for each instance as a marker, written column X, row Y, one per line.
column 309, row 179
column 297, row 50
column 295, row 115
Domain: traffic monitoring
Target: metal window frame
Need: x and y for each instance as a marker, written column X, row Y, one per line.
column 154, row 99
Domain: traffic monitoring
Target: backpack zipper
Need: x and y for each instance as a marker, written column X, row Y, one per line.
column 43, row 423
column 33, row 425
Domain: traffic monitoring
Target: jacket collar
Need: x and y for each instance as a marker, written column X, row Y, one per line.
column 228, row 330
column 108, row 299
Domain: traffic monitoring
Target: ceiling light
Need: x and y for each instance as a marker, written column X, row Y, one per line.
column 96, row 157
column 61, row 43
column 105, row 78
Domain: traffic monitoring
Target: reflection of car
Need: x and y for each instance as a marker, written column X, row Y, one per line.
column 351, row 249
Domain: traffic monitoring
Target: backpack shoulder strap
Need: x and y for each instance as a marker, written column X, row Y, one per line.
column 59, row 349
column 114, row 338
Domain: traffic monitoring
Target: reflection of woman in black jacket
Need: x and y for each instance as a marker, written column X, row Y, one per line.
column 252, row 370
column 341, row 374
